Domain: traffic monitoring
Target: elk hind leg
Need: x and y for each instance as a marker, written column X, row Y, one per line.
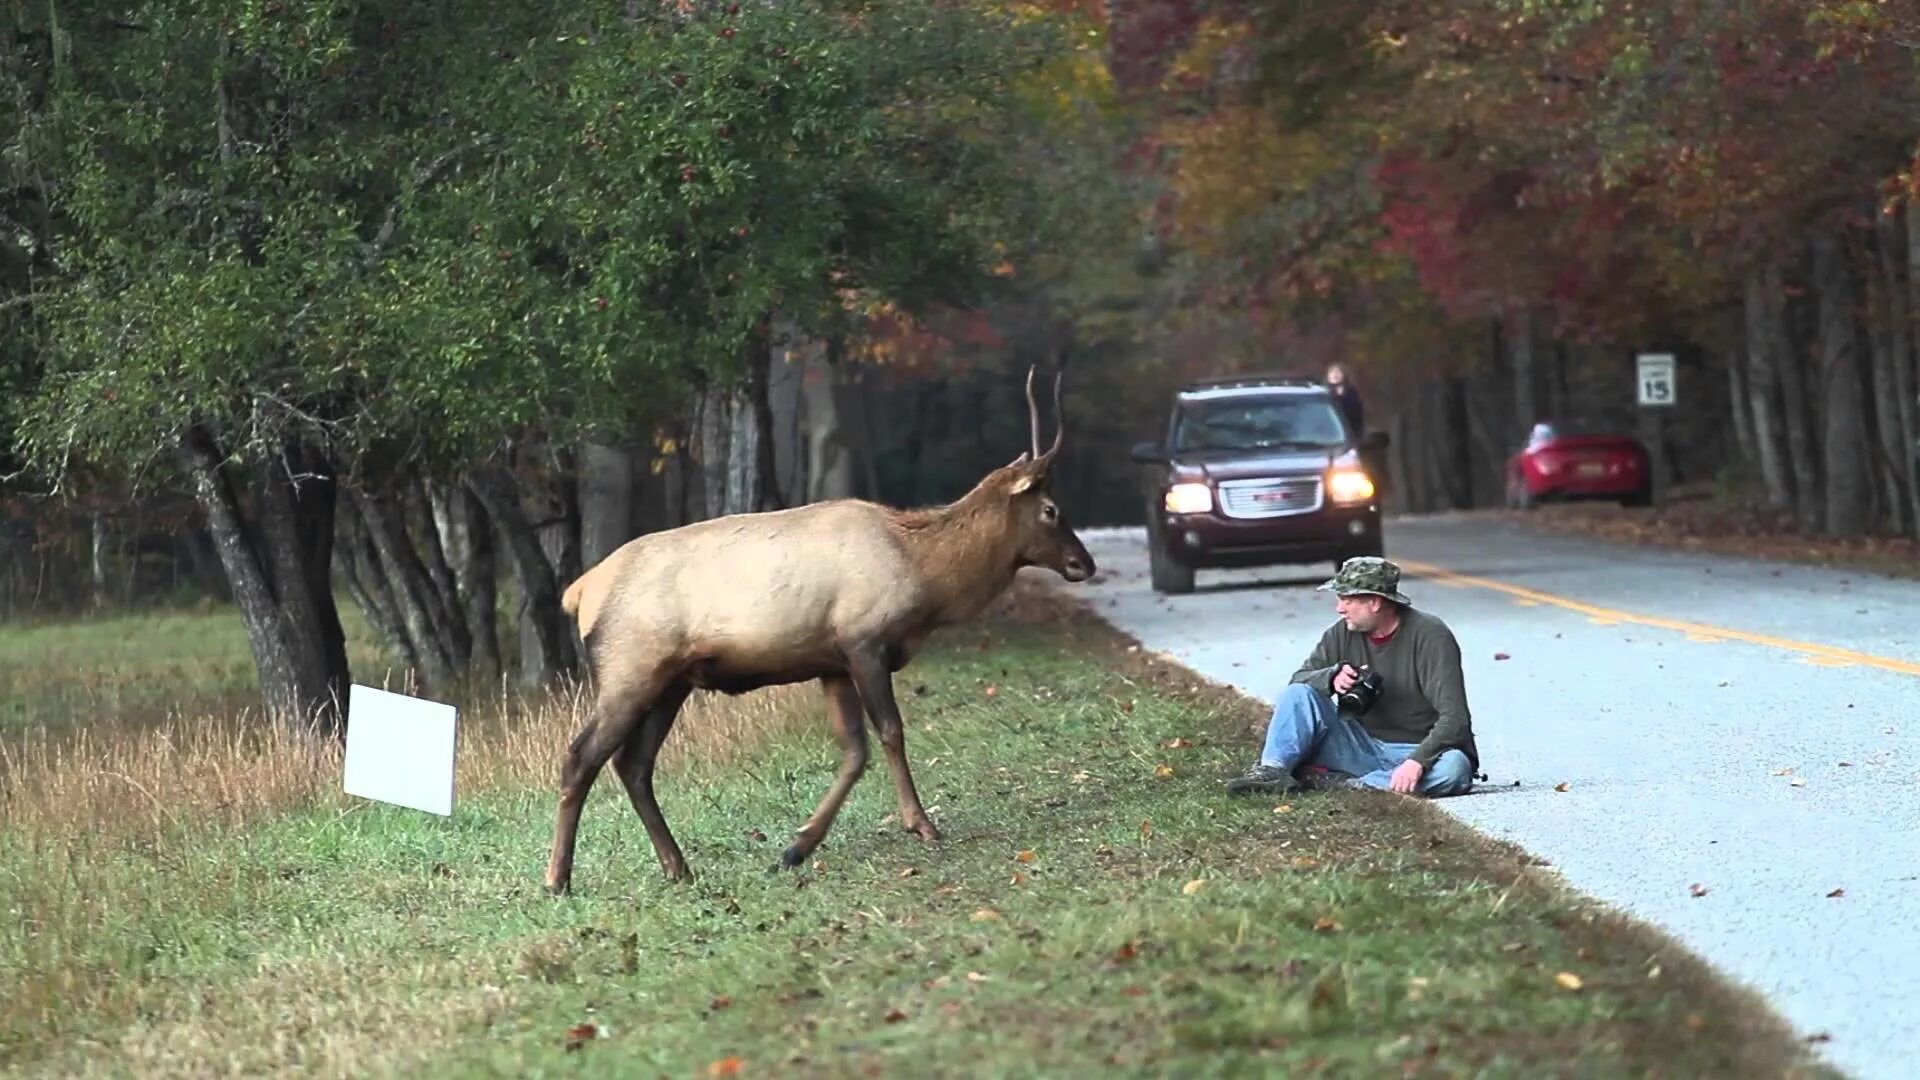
column 843, row 709
column 634, row 762
column 618, row 709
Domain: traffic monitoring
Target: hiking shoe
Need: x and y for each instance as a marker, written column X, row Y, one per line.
column 1263, row 780
column 1321, row 778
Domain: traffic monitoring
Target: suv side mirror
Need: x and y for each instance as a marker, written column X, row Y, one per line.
column 1147, row 453
column 1374, row 440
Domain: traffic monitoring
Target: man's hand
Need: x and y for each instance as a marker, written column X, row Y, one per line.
column 1344, row 679
column 1406, row 776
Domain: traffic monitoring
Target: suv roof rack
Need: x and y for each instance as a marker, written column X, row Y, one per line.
column 1249, row 380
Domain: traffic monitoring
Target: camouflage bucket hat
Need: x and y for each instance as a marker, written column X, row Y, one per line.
column 1368, row 574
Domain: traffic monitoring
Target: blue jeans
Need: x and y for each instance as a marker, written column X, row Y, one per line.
column 1306, row 729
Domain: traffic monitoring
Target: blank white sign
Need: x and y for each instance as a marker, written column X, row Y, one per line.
column 400, row 750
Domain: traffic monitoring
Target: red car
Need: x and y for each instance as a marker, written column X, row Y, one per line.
column 1557, row 465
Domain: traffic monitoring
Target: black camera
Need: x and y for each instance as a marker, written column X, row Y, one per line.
column 1362, row 694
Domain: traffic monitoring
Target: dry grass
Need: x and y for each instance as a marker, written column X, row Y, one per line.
column 222, row 771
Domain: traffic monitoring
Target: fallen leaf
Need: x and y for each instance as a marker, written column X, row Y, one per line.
column 976, row 977
column 1819, row 1037
column 1163, row 771
column 1696, row 1022
column 986, row 915
column 1797, row 782
column 1025, row 856
column 1177, row 744
column 992, row 690
column 1327, row 925
column 1562, row 786
column 1836, row 894
column 1783, row 772
column 1283, row 808
column 1514, row 946
column 721, row 1002
column 1127, row 951
column 1501, row 656
column 756, row 834
column 1697, row 889
column 1305, row 862
column 580, row 1035
column 1126, row 706
column 1146, row 829
column 1193, row 886
column 1568, row 980
column 894, row 1016
column 1846, row 764
column 726, row 1066
column 909, row 871
column 1017, row 879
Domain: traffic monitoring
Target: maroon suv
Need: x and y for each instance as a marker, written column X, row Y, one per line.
column 1257, row 471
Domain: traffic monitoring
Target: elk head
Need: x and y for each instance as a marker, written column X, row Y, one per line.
column 1037, row 524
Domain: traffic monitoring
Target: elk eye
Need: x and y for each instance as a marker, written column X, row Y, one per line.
column 1049, row 512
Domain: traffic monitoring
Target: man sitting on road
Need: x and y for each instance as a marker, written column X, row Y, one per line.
column 1416, row 737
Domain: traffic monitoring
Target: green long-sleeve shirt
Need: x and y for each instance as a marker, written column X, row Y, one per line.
column 1424, row 696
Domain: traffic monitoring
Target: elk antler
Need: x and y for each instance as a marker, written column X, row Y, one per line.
column 1033, row 411
column 1059, row 418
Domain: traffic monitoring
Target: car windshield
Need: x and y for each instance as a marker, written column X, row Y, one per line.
column 1259, row 423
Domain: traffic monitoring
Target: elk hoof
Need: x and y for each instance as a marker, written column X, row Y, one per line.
column 925, row 831
column 559, row 888
column 794, row 856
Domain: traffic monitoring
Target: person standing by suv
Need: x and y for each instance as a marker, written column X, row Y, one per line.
column 1348, row 398
column 1414, row 735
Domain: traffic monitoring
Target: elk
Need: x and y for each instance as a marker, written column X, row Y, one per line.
column 843, row 591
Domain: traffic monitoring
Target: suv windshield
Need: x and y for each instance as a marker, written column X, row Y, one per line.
column 1259, row 423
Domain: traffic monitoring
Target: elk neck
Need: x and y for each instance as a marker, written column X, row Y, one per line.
column 964, row 553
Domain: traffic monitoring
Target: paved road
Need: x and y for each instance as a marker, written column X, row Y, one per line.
column 1669, row 691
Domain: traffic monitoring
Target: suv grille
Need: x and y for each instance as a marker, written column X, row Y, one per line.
column 1270, row 498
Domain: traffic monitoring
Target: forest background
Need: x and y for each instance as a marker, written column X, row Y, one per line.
column 422, row 308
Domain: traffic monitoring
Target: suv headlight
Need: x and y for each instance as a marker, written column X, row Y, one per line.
column 1189, row 499
column 1347, row 482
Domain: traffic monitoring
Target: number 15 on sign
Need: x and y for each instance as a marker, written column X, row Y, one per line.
column 1656, row 379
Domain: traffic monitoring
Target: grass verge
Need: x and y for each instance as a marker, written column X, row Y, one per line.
column 1096, row 904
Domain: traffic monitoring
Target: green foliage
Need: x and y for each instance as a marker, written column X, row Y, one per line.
column 412, row 229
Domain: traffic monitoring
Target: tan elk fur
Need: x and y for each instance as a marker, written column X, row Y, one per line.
column 844, row 592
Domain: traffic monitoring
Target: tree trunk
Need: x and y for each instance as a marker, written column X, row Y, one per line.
column 1889, row 352
column 606, row 501
column 830, row 460
column 713, row 449
column 1763, row 393
column 1526, row 408
column 762, row 483
column 555, row 654
column 1788, row 370
column 368, row 584
column 278, row 567
column 1848, row 481
column 445, row 592
column 427, row 625
column 467, row 537
column 97, row 564
column 1907, row 370
column 1737, row 398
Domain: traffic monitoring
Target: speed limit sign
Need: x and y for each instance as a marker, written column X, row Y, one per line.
column 1655, row 376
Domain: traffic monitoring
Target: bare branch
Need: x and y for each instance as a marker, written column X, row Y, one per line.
column 422, row 177
column 24, row 300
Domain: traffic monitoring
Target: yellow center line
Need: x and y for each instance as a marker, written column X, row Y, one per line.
column 1824, row 655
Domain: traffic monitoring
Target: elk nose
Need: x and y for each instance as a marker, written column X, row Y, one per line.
column 1078, row 569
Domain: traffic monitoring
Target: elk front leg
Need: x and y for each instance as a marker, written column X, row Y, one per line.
column 843, row 709
column 875, row 681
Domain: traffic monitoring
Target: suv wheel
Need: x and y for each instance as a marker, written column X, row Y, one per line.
column 1167, row 575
